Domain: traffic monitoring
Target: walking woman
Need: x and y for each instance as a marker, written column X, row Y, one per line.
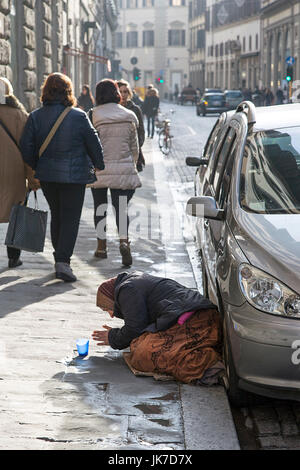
column 150, row 109
column 13, row 171
column 86, row 100
column 171, row 329
column 126, row 100
column 65, row 166
column 117, row 129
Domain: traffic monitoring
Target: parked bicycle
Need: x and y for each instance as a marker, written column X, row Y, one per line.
column 164, row 134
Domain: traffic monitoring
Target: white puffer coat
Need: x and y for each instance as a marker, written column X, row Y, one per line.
column 117, row 129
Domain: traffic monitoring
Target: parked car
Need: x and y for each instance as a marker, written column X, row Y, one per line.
column 211, row 103
column 233, row 98
column 247, row 204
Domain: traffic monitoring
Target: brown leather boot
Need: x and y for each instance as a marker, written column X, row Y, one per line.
column 125, row 252
column 101, row 251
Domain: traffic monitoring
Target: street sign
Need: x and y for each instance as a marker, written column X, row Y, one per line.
column 133, row 60
column 290, row 60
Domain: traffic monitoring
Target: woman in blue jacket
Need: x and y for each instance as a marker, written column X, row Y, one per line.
column 65, row 167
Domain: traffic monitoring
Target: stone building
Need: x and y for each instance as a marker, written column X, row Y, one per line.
column 233, row 43
column 280, row 22
column 38, row 37
column 153, row 36
column 197, row 9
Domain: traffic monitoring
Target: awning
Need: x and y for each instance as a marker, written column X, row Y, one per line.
column 88, row 56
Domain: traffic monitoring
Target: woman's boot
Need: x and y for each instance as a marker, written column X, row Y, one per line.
column 101, row 251
column 125, row 252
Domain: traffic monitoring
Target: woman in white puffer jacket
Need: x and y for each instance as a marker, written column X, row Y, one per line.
column 117, row 129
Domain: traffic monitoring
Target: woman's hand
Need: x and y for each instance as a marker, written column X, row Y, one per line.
column 102, row 336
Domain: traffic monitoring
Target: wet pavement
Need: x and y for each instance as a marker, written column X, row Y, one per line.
column 53, row 399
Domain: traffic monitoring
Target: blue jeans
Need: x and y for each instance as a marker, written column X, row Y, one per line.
column 151, row 120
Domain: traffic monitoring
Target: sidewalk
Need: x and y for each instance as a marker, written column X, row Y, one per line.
column 50, row 398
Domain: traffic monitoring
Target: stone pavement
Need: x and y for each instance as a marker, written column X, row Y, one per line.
column 51, row 398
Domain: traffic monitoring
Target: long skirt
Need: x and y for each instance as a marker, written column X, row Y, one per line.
column 184, row 352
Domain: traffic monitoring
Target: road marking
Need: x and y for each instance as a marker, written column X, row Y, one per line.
column 192, row 130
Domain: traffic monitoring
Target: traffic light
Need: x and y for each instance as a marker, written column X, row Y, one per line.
column 160, row 80
column 289, row 73
column 136, row 74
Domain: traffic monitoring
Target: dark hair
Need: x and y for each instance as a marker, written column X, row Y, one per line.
column 87, row 88
column 58, row 87
column 107, row 92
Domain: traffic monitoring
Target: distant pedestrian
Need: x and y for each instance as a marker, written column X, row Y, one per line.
column 64, row 168
column 279, row 96
column 15, row 176
column 150, row 108
column 117, row 128
column 136, row 99
column 126, row 100
column 269, row 97
column 86, row 100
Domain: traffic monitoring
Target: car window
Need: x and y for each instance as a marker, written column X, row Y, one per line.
column 270, row 173
column 226, row 177
column 211, row 141
column 234, row 94
column 222, row 156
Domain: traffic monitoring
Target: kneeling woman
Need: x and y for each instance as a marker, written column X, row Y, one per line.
column 171, row 329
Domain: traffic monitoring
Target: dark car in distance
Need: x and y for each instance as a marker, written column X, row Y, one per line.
column 233, row 98
column 211, row 103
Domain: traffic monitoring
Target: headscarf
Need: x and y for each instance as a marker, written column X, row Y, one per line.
column 106, row 294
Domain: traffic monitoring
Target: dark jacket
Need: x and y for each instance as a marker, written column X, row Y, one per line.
column 150, row 303
column 71, row 154
column 150, row 106
column 85, row 102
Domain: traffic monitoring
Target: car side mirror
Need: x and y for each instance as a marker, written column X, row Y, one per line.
column 204, row 207
column 196, row 161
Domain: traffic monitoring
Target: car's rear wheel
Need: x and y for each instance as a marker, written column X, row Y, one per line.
column 203, row 113
column 197, row 111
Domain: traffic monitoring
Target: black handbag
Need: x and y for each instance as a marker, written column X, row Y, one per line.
column 27, row 227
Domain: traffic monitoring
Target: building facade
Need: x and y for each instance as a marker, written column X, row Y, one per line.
column 38, row 37
column 197, row 43
column 153, row 36
column 233, row 44
column 280, row 23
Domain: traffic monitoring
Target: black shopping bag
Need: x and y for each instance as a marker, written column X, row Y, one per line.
column 27, row 227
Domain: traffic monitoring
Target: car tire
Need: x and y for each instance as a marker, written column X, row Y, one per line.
column 197, row 111
column 204, row 280
column 236, row 396
column 203, row 114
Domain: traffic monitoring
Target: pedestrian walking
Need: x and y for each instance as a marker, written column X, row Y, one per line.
column 269, row 97
column 66, row 164
column 150, row 109
column 171, row 329
column 15, row 176
column 126, row 100
column 117, row 128
column 279, row 96
column 86, row 100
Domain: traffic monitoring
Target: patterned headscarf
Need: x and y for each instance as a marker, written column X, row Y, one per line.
column 106, row 294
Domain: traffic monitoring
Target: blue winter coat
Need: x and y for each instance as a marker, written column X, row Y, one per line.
column 73, row 151
column 150, row 303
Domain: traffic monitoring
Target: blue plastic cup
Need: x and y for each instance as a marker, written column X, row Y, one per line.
column 82, row 346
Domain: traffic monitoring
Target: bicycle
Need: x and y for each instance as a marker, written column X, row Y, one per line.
column 164, row 136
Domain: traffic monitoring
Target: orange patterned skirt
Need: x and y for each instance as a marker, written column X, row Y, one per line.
column 183, row 351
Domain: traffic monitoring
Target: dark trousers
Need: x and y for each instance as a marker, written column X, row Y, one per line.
column 65, row 201
column 120, row 199
column 150, row 127
column 13, row 253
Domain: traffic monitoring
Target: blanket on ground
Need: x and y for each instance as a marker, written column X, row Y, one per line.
column 184, row 352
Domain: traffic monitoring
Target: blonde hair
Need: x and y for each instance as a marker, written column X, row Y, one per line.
column 124, row 83
column 7, row 86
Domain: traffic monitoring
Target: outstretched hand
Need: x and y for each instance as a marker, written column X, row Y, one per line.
column 102, row 336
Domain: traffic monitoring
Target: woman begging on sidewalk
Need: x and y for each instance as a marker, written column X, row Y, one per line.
column 126, row 100
column 171, row 329
column 13, row 171
column 65, row 166
column 117, row 129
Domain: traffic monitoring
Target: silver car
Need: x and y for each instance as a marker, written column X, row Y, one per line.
column 247, row 204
